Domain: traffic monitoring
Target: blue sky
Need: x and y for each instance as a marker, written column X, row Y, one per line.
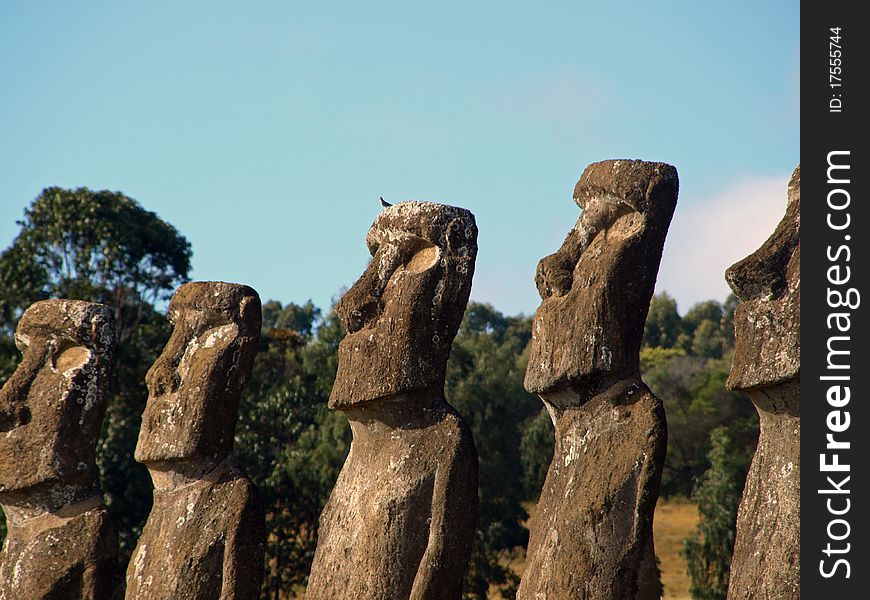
column 265, row 132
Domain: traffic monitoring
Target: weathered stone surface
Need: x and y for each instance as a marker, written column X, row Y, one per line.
column 591, row 533
column 205, row 535
column 61, row 542
column 766, row 560
column 400, row 521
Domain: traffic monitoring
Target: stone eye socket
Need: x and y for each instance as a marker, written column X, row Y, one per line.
column 215, row 334
column 70, row 356
column 410, row 254
column 422, row 259
column 198, row 323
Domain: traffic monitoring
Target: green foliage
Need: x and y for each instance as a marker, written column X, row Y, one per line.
column 662, row 326
column 293, row 317
column 8, row 362
column 708, row 340
column 688, row 372
column 125, row 482
column 689, row 376
column 536, row 448
column 708, row 550
column 96, row 246
column 652, row 357
column 8, row 358
column 484, row 383
column 696, row 402
column 101, row 247
column 728, row 318
column 291, row 446
column 709, row 310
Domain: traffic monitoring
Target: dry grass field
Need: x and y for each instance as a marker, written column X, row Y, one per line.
column 674, row 521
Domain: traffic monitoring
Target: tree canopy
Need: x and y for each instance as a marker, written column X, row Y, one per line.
column 97, row 246
column 104, row 247
column 101, row 246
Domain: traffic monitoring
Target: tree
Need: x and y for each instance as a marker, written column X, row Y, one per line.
column 484, row 383
column 702, row 330
column 291, row 446
column 96, row 246
column 536, row 447
column 728, row 308
column 101, row 247
column 708, row 550
column 293, row 317
column 708, row 310
column 689, row 376
column 663, row 323
column 707, row 340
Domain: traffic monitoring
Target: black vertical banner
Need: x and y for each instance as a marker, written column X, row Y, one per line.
column 835, row 299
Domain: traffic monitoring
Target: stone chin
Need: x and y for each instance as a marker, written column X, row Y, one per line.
column 162, row 441
column 564, row 370
column 767, row 343
column 372, row 366
column 12, row 480
column 55, row 465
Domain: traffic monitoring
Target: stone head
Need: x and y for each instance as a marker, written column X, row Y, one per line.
column 195, row 385
column 767, row 319
column 595, row 290
column 52, row 407
column 401, row 316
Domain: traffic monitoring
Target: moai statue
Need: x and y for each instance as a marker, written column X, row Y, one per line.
column 205, row 535
column 766, row 366
column 591, row 533
column 400, row 521
column 61, row 542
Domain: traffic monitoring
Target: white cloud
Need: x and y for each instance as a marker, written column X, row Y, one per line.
column 710, row 234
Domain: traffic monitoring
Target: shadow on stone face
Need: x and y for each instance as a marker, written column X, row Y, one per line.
column 61, row 542
column 400, row 520
column 591, row 534
column 766, row 366
column 205, row 535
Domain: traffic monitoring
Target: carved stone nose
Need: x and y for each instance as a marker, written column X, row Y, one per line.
column 756, row 276
column 162, row 378
column 163, row 381
column 361, row 304
column 554, row 276
column 13, row 408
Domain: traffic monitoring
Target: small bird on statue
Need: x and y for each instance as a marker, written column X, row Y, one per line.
column 384, row 203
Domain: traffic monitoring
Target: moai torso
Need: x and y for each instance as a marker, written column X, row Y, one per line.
column 71, row 557
column 61, row 542
column 204, row 538
column 591, row 532
column 766, row 365
column 400, row 520
column 201, row 541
